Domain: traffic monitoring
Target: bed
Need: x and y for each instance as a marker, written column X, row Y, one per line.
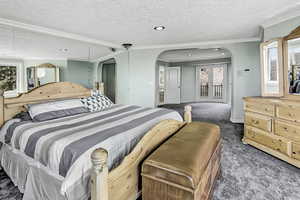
column 95, row 154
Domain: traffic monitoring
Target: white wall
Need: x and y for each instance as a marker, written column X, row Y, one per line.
column 136, row 85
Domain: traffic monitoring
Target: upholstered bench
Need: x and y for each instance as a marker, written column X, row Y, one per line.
column 185, row 167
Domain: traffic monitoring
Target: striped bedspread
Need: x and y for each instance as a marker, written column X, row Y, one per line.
column 64, row 145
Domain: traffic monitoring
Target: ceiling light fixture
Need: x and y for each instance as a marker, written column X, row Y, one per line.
column 63, row 50
column 159, row 28
column 189, row 55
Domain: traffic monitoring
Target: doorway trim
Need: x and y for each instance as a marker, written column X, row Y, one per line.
column 99, row 75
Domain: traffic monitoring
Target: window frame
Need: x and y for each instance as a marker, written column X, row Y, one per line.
column 19, row 78
column 265, row 76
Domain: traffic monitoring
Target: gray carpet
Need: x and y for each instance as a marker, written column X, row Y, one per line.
column 247, row 173
column 205, row 111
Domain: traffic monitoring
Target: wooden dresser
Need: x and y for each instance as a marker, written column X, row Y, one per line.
column 273, row 125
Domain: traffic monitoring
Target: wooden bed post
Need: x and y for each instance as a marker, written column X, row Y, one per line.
column 187, row 114
column 1, row 107
column 99, row 176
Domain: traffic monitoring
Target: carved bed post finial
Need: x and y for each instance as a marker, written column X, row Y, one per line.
column 187, row 114
column 99, row 176
column 1, row 107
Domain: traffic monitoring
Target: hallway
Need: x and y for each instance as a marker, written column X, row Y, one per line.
column 204, row 111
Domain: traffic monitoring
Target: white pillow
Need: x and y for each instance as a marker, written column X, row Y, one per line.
column 55, row 109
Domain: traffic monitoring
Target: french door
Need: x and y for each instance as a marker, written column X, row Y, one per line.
column 211, row 82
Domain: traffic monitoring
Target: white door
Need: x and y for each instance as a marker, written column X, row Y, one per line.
column 211, row 82
column 172, row 94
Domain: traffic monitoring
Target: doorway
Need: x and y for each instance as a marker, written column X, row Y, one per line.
column 108, row 77
column 211, row 82
column 194, row 75
column 173, row 83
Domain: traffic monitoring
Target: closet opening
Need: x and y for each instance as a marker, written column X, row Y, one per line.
column 107, row 75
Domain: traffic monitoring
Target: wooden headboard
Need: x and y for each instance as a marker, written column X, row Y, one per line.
column 9, row 107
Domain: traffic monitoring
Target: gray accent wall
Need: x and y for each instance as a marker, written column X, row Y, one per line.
column 136, row 82
column 80, row 72
column 282, row 29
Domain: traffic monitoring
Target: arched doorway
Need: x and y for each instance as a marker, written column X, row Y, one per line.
column 107, row 75
column 193, row 75
column 201, row 78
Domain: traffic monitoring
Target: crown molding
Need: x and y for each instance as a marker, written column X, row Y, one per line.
column 193, row 44
column 58, row 33
column 26, row 58
column 291, row 12
column 181, row 45
column 107, row 57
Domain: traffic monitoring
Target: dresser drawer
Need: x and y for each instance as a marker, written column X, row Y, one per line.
column 263, row 108
column 296, row 151
column 258, row 121
column 266, row 139
column 289, row 112
column 287, row 130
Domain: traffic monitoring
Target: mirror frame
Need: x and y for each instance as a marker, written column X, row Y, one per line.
column 280, row 68
column 293, row 35
column 44, row 65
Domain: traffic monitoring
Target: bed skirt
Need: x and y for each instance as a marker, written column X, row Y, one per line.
column 34, row 180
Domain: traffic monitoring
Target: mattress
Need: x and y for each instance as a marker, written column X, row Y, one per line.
column 61, row 148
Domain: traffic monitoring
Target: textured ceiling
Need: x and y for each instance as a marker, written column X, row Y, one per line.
column 184, row 55
column 18, row 43
column 120, row 21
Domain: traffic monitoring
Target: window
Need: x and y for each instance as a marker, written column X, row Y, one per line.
column 272, row 64
column 10, row 78
column 271, row 68
column 161, row 84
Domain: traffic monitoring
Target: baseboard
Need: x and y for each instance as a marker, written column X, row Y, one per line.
column 234, row 120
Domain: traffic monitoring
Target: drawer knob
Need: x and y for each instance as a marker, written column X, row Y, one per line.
column 285, row 128
column 291, row 115
column 254, row 121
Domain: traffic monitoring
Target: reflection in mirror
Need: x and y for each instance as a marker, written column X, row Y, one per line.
column 41, row 75
column 271, row 63
column 294, row 66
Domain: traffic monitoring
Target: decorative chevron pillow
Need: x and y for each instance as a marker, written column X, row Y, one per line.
column 97, row 102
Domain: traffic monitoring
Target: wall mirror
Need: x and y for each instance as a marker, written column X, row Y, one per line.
column 292, row 62
column 272, row 70
column 41, row 75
